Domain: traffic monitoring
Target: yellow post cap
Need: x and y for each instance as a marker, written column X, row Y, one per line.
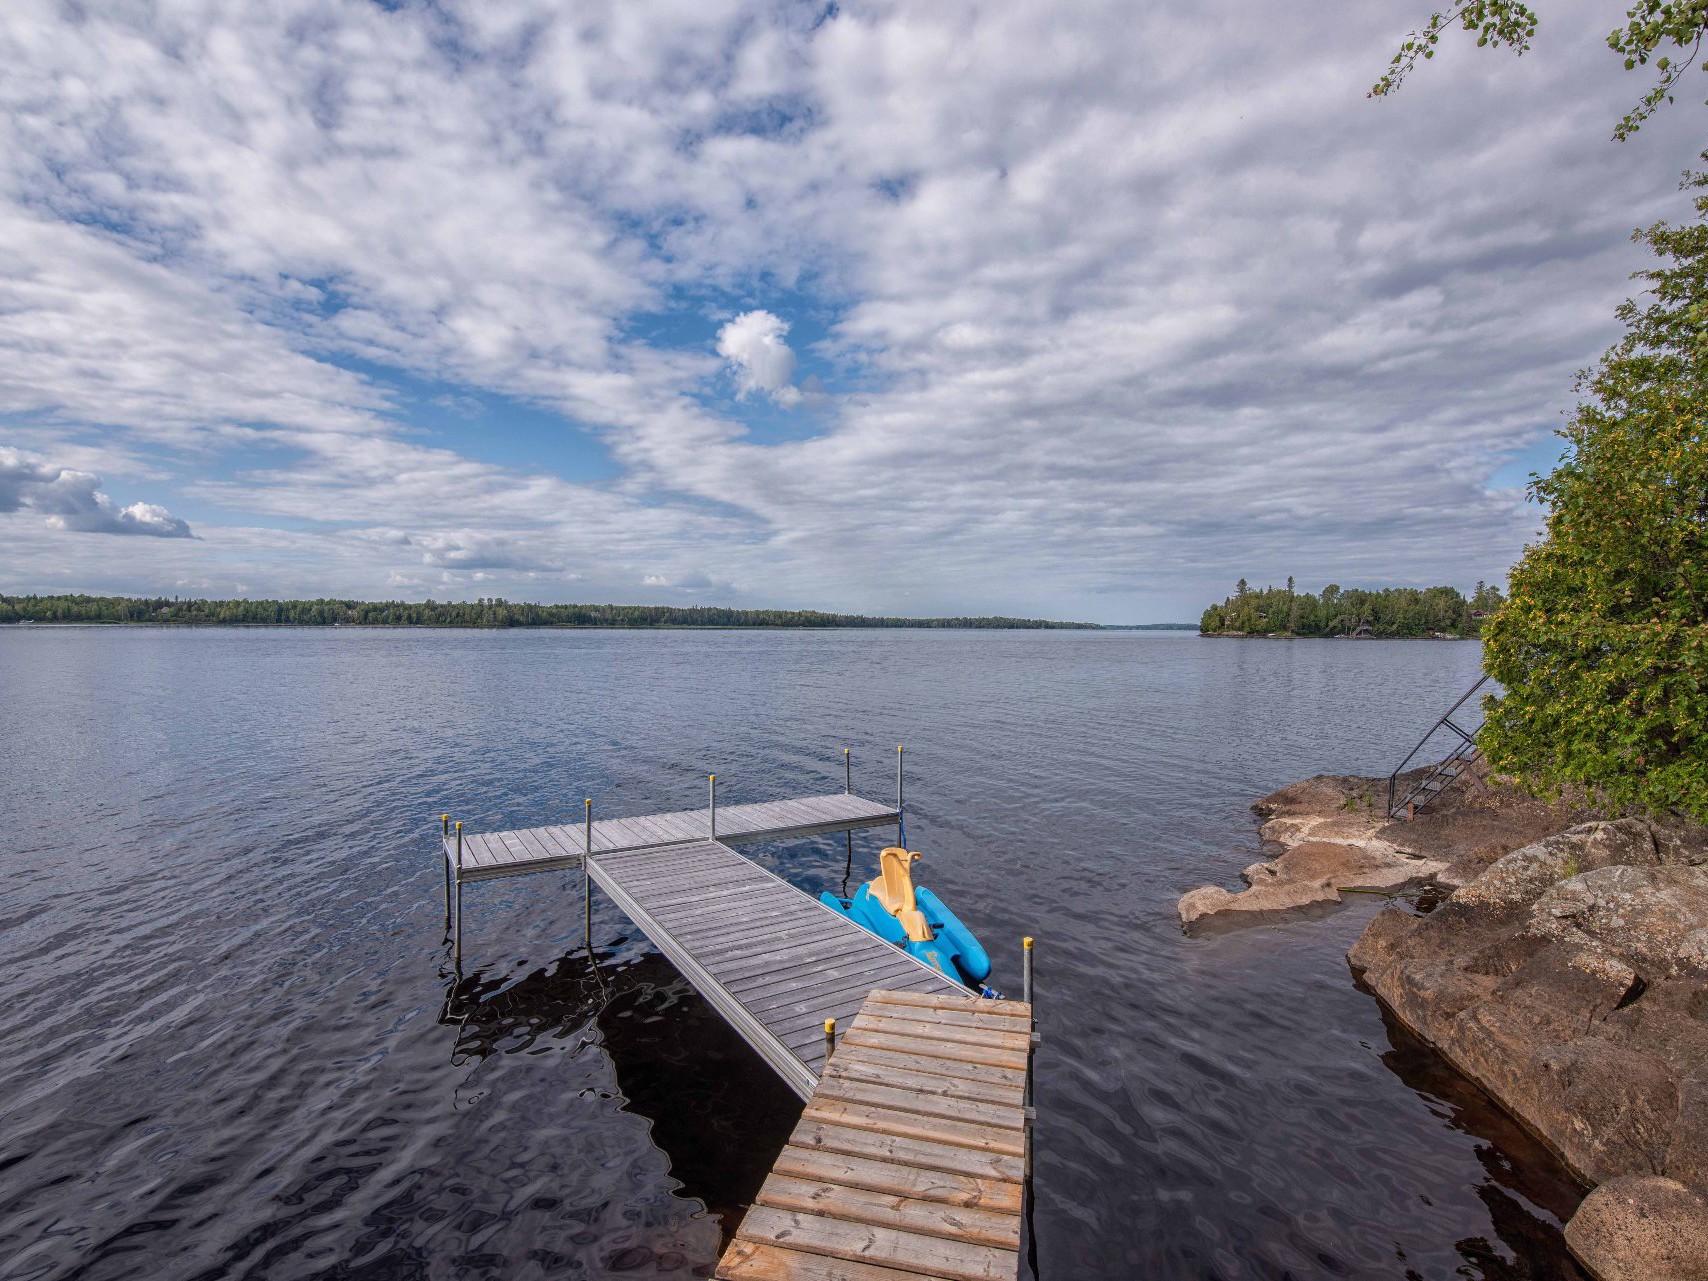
column 830, row 1025
column 444, row 818
column 459, row 825
column 1027, row 942
column 589, row 802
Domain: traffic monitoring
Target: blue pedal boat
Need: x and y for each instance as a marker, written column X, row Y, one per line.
column 915, row 920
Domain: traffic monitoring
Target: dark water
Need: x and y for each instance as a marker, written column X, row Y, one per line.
column 232, row 1046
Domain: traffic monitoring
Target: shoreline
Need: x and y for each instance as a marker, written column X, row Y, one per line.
column 1555, row 958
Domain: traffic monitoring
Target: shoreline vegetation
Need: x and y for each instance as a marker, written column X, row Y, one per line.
column 484, row 613
column 1391, row 613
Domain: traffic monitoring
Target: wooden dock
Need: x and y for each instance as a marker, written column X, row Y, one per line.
column 910, row 1159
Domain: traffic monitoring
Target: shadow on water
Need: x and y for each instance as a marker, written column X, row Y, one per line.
column 716, row 1112
column 1528, row 1191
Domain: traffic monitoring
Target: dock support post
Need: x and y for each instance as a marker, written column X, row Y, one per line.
column 847, row 774
column 445, row 862
column 1026, row 971
column 712, row 787
column 898, row 777
column 457, row 937
column 829, row 1039
column 587, row 880
column 1031, row 1044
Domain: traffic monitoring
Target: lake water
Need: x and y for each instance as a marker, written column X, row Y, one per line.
column 232, row 1046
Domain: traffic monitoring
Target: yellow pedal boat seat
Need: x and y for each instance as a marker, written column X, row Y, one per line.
column 893, row 887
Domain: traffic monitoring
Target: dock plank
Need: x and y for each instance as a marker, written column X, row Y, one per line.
column 1015, row 1060
column 859, row 1205
column 860, row 1068
column 888, row 1247
column 930, row 1029
column 947, row 1157
column 1013, row 1009
column 844, row 1089
column 898, row 1180
column 882, row 1120
column 756, row 1261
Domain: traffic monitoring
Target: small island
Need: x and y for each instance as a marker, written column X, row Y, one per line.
column 1388, row 613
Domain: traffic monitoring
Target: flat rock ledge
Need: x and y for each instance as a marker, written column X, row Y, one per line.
column 1329, row 837
column 1569, row 979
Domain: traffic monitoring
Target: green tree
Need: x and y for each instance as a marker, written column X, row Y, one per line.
column 1603, row 644
column 1664, row 33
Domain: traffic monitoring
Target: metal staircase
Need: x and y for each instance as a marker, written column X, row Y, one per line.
column 1462, row 757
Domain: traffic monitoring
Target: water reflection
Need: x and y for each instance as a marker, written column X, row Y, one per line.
column 1528, row 1192
column 715, row 1111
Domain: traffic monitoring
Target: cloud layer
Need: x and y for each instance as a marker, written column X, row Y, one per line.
column 1112, row 306
column 70, row 500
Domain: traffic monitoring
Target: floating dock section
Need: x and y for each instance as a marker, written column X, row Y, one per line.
column 910, row 1159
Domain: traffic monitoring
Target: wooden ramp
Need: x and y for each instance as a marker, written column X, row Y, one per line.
column 490, row 856
column 773, row 961
column 910, row 1158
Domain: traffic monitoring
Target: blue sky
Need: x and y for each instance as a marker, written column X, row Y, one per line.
column 1071, row 310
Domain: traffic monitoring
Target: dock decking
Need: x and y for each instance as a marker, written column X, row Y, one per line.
column 493, row 855
column 910, row 1158
column 773, row 961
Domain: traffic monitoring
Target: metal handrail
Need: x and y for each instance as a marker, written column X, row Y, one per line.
column 1457, row 754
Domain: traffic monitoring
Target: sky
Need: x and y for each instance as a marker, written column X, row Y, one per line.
column 1069, row 309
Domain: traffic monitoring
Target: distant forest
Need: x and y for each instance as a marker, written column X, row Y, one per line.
column 480, row 613
column 1390, row 612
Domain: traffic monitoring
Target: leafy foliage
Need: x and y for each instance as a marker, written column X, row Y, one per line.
column 1603, row 647
column 1390, row 612
column 492, row 612
column 1652, row 27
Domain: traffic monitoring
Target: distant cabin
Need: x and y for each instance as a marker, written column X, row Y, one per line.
column 1365, row 632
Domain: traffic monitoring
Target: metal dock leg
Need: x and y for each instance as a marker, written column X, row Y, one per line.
column 587, row 881
column 457, row 936
column 445, row 864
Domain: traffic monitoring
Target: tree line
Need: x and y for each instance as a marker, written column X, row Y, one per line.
column 1388, row 612
column 486, row 612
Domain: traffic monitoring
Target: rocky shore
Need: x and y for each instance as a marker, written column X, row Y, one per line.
column 1557, row 959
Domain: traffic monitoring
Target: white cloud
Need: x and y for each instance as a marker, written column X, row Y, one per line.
column 693, row 582
column 70, row 500
column 761, row 361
